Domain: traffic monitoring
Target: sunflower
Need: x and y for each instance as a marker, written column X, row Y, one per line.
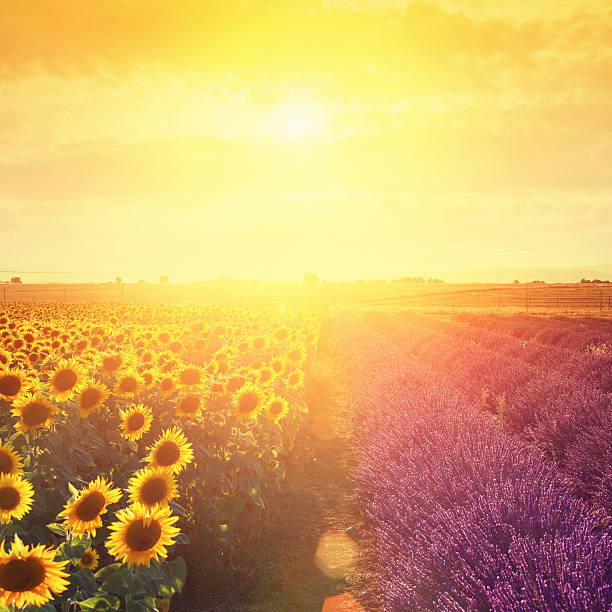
column 277, row 408
column 191, row 376
column 90, row 559
column 259, row 343
column 152, row 487
column 297, row 354
column 91, row 397
column 15, row 497
column 189, row 406
column 277, row 364
column 171, row 451
column 281, row 334
column 109, row 364
column 135, row 422
column 167, row 384
column 265, row 375
column 66, row 380
column 10, row 462
column 141, row 534
column 83, row 514
column 247, row 401
column 128, row 383
column 12, row 383
column 295, row 378
column 35, row 412
column 30, row 576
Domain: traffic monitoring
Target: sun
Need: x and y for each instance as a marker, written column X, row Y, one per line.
column 297, row 120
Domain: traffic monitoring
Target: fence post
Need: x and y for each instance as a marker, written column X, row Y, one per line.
column 527, row 299
column 600, row 300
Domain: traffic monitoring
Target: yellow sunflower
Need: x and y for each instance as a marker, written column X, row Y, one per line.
column 189, row 406
column 66, row 380
column 190, row 376
column 135, row 422
column 91, row 397
column 140, row 534
column 277, row 364
column 109, row 364
column 295, row 378
column 35, row 413
column 82, row 515
column 265, row 375
column 277, row 408
column 10, row 462
column 12, row 383
column 152, row 487
column 30, row 576
column 171, row 451
column 166, row 384
column 247, row 401
column 15, row 497
column 90, row 559
column 297, row 354
column 128, row 384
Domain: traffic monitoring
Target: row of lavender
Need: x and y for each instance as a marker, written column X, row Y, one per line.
column 462, row 516
column 592, row 368
column 588, row 334
column 550, row 405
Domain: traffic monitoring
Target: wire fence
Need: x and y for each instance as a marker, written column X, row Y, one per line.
column 596, row 298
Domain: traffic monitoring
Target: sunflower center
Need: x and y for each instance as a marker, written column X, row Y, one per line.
column 35, row 414
column 6, row 463
column 9, row 498
column 168, row 454
column 140, row 537
column 128, row 384
column 276, row 407
column 87, row 559
column 65, row 380
column 135, row 421
column 89, row 398
column 190, row 404
column 20, row 575
column 111, row 363
column 154, row 491
column 248, row 402
column 190, row 376
column 90, row 506
column 10, row 385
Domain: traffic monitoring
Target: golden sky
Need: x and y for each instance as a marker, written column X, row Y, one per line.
column 266, row 138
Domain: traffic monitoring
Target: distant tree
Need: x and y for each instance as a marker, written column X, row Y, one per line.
column 118, row 280
column 596, row 280
column 16, row 279
column 164, row 279
column 141, row 282
column 584, row 280
column 515, row 282
column 310, row 278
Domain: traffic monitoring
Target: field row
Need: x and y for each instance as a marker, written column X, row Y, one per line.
column 484, row 477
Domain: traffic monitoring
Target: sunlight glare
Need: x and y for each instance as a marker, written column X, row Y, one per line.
column 297, row 121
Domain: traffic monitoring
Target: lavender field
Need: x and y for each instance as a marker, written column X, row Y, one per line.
column 484, row 471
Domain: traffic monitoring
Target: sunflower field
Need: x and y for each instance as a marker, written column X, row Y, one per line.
column 132, row 434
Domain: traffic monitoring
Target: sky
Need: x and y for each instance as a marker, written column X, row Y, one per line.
column 265, row 139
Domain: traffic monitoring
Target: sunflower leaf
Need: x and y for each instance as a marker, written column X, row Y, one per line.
column 101, row 601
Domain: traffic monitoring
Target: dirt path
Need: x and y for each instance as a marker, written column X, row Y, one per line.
column 325, row 554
